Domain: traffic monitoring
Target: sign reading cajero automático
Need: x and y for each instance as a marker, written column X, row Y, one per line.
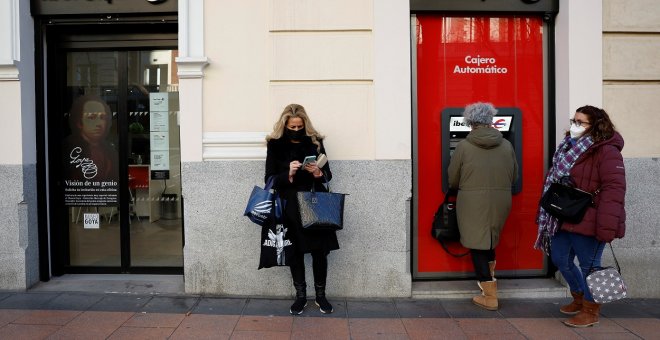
column 65, row 7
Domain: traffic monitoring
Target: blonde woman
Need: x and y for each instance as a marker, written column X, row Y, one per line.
column 294, row 138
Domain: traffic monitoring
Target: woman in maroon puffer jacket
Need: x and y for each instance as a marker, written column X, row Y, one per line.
column 590, row 155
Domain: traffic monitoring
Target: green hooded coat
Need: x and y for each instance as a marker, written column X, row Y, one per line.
column 483, row 168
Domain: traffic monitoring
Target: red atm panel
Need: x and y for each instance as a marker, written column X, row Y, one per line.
column 461, row 60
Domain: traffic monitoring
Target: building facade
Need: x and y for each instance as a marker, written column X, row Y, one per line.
column 225, row 70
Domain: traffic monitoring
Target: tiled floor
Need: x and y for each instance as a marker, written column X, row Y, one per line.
column 69, row 315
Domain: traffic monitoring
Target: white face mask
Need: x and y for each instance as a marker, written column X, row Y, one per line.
column 577, row 131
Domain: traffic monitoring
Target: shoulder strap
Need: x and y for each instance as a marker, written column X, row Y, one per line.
column 616, row 262
column 444, row 246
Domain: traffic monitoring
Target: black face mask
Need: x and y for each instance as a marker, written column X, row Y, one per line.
column 293, row 134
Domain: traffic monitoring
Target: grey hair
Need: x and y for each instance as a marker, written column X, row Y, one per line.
column 479, row 114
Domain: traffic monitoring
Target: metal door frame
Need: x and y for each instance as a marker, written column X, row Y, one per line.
column 548, row 13
column 54, row 38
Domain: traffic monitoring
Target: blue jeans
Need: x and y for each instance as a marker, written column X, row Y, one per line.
column 564, row 247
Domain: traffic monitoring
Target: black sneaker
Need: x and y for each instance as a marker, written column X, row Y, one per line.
column 324, row 306
column 298, row 306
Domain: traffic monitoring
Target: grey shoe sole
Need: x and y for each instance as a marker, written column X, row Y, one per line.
column 324, row 311
column 568, row 313
column 298, row 312
column 579, row 326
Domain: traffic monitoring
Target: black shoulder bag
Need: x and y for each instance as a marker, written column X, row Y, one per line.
column 445, row 223
column 565, row 202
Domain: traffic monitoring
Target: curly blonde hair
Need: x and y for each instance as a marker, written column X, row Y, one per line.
column 295, row 111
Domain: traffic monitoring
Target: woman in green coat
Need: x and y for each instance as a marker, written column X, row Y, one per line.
column 483, row 168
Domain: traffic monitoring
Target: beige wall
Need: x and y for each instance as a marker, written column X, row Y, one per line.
column 578, row 62
column 264, row 55
column 10, row 87
column 631, row 73
column 236, row 79
column 11, row 129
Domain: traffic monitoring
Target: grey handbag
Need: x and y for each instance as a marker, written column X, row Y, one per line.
column 321, row 210
column 606, row 284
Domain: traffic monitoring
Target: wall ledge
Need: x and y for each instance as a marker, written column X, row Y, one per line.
column 8, row 72
column 219, row 146
column 191, row 67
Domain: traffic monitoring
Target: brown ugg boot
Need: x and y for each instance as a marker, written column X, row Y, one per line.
column 488, row 297
column 588, row 315
column 575, row 305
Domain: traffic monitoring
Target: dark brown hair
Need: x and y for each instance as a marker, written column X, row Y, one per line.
column 601, row 127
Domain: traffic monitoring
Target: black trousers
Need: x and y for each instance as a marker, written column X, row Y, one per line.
column 480, row 259
column 319, row 267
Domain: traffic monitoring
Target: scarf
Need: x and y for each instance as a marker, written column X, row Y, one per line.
column 563, row 160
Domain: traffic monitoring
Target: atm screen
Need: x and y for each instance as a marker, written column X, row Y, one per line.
column 502, row 123
column 458, row 130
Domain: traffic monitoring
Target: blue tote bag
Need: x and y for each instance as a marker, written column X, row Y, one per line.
column 265, row 207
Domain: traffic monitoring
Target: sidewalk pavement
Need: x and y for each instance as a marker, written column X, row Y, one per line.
column 82, row 315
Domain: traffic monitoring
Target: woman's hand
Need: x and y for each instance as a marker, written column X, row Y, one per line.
column 314, row 170
column 293, row 168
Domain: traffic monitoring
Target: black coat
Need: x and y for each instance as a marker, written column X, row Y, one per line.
column 280, row 153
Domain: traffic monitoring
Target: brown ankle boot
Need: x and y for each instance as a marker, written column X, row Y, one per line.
column 491, row 266
column 488, row 297
column 588, row 315
column 575, row 305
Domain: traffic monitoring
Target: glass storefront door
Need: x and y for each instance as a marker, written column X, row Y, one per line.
column 154, row 160
column 90, row 159
column 119, row 170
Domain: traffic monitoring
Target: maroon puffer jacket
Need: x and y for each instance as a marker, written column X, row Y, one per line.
column 601, row 168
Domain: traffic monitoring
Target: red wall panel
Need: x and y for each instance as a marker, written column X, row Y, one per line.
column 461, row 60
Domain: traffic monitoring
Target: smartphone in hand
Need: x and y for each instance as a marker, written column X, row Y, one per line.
column 308, row 160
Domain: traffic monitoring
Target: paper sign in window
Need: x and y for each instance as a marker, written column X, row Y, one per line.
column 159, row 141
column 160, row 160
column 91, row 220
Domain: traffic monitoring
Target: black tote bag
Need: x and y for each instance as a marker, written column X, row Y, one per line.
column 276, row 247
